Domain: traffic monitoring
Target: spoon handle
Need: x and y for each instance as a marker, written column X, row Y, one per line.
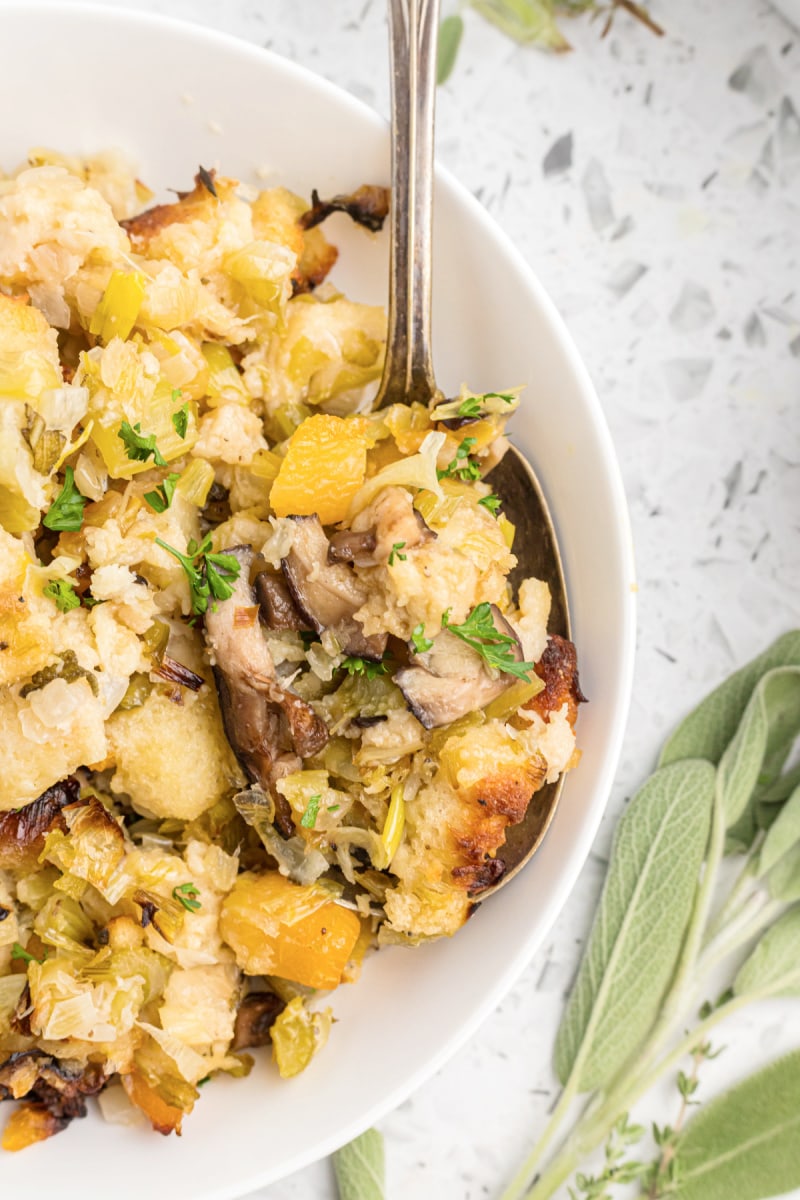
column 408, row 370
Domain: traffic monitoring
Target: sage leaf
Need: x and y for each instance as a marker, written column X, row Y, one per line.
column 774, row 966
column 360, row 1168
column 524, row 21
column 745, row 1145
column 781, row 788
column 711, row 726
column 451, row 31
column 783, row 880
column 783, row 834
column 640, row 924
column 769, row 725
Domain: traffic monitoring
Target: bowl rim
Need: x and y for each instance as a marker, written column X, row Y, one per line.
column 121, row 15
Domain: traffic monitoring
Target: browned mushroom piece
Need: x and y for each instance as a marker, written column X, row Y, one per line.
column 328, row 595
column 269, row 727
column 450, row 680
column 55, row 1091
column 277, row 608
column 22, row 833
column 254, row 1020
column 367, row 206
column 347, row 546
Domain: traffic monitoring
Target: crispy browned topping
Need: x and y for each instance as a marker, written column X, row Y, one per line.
column 367, row 206
column 558, row 669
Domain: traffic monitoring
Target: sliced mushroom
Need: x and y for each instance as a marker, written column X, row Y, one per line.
column 395, row 523
column 328, row 595
column 450, row 680
column 347, row 546
column 254, row 1020
column 269, row 727
column 278, row 609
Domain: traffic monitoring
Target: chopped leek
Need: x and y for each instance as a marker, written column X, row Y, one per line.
column 225, row 383
column 195, row 482
column 507, row 528
column 392, row 834
column 474, row 405
column 297, row 1035
column 115, row 315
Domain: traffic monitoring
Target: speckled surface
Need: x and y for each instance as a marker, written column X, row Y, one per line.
column 654, row 185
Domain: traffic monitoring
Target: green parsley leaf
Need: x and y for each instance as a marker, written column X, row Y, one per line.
column 462, row 467
column 180, row 419
column 139, row 446
column 63, row 594
column 309, row 817
column 334, row 807
column 20, row 952
column 161, row 498
column 186, row 894
column 421, row 643
column 396, row 548
column 363, row 666
column 492, row 503
column 208, row 574
column 66, row 511
column 471, row 407
column 480, row 632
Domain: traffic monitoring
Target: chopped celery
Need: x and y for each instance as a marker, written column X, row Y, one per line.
column 225, row 384
column 195, row 482
column 512, row 699
column 115, row 315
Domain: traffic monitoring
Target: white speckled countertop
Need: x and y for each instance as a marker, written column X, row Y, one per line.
column 654, row 185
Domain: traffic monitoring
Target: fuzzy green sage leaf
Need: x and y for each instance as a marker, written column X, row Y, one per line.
column 769, row 726
column 774, row 966
column 450, row 34
column 710, row 727
column 640, row 924
column 746, row 1143
column 525, row 21
column 360, row 1168
column 782, row 836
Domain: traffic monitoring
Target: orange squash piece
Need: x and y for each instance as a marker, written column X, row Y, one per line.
column 276, row 927
column 162, row 1116
column 324, row 466
column 28, row 1124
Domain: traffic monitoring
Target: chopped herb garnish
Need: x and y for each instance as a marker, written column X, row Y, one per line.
column 309, row 817
column 186, row 894
column 479, row 632
column 420, row 642
column 395, row 554
column 180, row 419
column 140, row 446
column 208, row 574
column 66, row 511
column 492, row 503
column 161, row 498
column 471, row 407
column 498, row 396
column 20, row 952
column 363, row 666
column 63, row 594
column 462, row 467
column 334, row 807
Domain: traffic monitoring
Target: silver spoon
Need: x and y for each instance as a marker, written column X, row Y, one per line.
column 408, row 369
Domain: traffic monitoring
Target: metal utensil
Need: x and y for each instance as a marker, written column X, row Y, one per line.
column 408, row 369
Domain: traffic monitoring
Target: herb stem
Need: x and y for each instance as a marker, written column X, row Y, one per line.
column 732, row 907
column 753, row 917
column 589, row 1133
column 519, row 1183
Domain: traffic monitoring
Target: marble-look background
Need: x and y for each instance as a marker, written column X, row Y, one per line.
column 654, row 185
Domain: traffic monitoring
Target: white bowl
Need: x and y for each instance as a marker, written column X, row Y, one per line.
column 174, row 95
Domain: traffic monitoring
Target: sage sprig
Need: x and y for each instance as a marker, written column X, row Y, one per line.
column 359, row 1168
column 721, row 788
